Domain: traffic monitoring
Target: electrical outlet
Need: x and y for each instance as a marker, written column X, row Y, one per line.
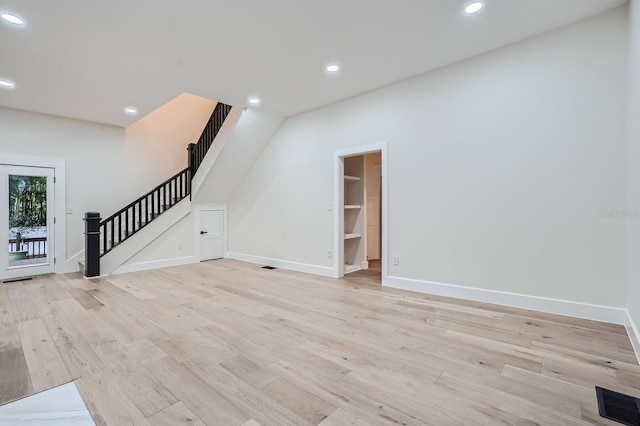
column 329, row 253
column 396, row 260
column 329, row 207
column 179, row 246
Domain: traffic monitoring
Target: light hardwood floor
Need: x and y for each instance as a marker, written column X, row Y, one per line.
column 227, row 343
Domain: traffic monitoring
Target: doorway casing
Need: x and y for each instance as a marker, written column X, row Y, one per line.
column 338, row 203
column 197, row 209
column 58, row 166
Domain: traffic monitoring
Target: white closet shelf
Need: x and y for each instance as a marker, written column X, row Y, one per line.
column 351, row 178
column 352, row 206
column 351, row 236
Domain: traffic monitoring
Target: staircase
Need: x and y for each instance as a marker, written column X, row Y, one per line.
column 104, row 236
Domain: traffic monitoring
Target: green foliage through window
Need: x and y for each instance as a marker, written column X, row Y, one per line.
column 27, row 201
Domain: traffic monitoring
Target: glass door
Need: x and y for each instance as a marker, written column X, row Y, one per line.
column 26, row 221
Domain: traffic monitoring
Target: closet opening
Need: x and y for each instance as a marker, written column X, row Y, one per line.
column 360, row 215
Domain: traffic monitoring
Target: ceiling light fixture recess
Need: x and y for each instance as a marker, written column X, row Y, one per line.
column 254, row 101
column 7, row 84
column 131, row 110
column 12, row 19
column 333, row 68
column 473, row 8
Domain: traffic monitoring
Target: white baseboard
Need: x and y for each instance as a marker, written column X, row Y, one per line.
column 325, row 271
column 535, row 303
column 155, row 264
column 634, row 335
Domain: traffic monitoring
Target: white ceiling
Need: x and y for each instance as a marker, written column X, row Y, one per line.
column 89, row 59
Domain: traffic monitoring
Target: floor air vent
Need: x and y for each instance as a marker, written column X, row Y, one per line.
column 269, row 267
column 618, row 407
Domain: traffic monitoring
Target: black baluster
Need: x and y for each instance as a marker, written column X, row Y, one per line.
column 104, row 238
column 164, row 195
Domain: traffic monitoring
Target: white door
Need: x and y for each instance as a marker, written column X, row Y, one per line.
column 373, row 213
column 26, row 221
column 211, row 234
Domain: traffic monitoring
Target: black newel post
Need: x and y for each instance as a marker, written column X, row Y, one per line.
column 191, row 150
column 92, row 244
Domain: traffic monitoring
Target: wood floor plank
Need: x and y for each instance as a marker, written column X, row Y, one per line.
column 207, row 403
column 342, row 417
column 130, row 288
column 15, row 381
column 249, row 371
column 85, row 298
column 9, row 338
column 107, row 403
column 45, row 365
column 136, row 382
column 307, row 405
column 502, row 407
column 72, row 347
column 23, row 304
column 177, row 414
column 225, row 342
column 144, row 351
column 263, row 409
column 372, row 405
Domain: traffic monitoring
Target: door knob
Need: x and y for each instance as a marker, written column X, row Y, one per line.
column 203, row 232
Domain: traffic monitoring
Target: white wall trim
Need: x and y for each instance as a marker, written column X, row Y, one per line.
column 197, row 208
column 155, row 264
column 542, row 304
column 634, row 334
column 32, row 161
column 60, row 199
column 324, row 271
column 338, row 203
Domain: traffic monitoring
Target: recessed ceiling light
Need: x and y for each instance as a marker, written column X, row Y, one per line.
column 254, row 101
column 7, row 84
column 12, row 19
column 333, row 68
column 473, row 8
column 131, row 110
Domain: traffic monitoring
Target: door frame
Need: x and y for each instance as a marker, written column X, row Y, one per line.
column 197, row 208
column 378, row 176
column 338, row 204
column 59, row 197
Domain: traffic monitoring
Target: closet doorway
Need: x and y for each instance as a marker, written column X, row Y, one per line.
column 360, row 212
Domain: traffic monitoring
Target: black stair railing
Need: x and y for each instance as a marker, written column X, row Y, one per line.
column 102, row 236
column 121, row 225
column 197, row 151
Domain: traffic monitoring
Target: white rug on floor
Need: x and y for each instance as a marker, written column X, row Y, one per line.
column 60, row 406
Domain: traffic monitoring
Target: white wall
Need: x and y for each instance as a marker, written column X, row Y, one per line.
column 177, row 242
column 106, row 167
column 633, row 165
column 499, row 167
column 91, row 152
column 161, row 139
column 244, row 143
